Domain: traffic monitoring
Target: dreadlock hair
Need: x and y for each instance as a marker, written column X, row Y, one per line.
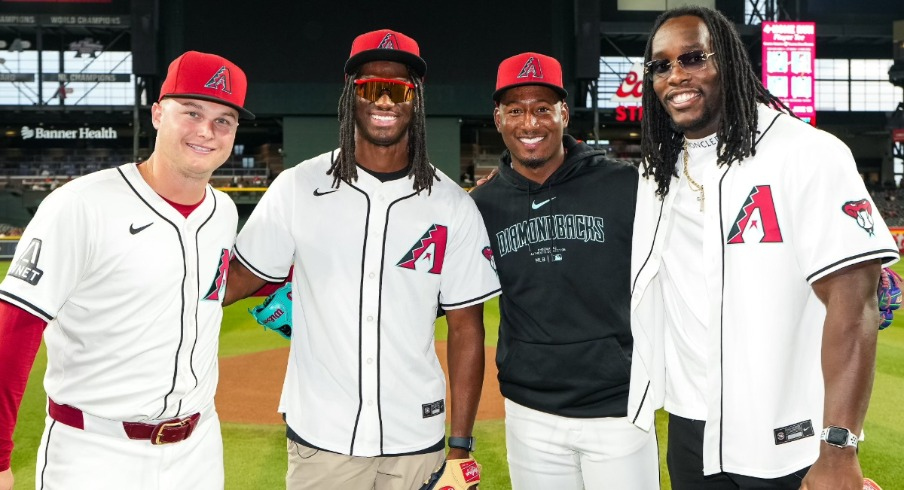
column 741, row 91
column 344, row 167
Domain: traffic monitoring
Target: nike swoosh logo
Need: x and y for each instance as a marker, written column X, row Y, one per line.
column 318, row 193
column 135, row 231
column 538, row 205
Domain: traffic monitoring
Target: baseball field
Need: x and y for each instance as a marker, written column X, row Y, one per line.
column 253, row 363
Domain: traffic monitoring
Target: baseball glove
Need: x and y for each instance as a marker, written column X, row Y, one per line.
column 275, row 313
column 889, row 294
column 454, row 474
column 870, row 485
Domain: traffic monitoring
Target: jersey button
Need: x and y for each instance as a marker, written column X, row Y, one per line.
column 371, row 275
column 370, row 318
column 370, row 360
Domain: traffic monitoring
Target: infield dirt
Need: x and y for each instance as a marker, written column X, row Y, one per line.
column 250, row 384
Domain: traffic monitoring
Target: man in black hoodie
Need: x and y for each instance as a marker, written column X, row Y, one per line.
column 560, row 218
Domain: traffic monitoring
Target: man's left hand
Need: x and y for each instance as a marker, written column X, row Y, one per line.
column 457, row 474
column 835, row 469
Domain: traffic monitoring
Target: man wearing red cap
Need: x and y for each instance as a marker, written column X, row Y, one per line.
column 124, row 273
column 561, row 217
column 379, row 240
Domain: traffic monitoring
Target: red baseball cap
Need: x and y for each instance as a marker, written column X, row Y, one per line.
column 204, row 76
column 385, row 45
column 529, row 69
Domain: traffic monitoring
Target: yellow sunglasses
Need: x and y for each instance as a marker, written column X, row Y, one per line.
column 373, row 89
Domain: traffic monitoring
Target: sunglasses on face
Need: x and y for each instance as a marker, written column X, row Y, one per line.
column 373, row 89
column 690, row 61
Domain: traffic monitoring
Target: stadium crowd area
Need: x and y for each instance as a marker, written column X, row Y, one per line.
column 890, row 201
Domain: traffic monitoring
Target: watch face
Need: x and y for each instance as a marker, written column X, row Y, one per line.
column 837, row 436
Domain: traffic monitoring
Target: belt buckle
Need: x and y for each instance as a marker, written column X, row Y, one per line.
column 160, row 431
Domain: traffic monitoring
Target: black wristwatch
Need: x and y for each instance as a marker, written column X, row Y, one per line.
column 839, row 437
column 466, row 443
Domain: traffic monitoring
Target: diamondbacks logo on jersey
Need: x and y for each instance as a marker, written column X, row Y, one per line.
column 862, row 211
column 218, row 287
column 488, row 254
column 531, row 69
column 220, row 80
column 429, row 252
column 26, row 267
column 757, row 221
column 388, row 42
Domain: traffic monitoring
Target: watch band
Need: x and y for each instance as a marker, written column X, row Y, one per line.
column 466, row 443
column 839, row 437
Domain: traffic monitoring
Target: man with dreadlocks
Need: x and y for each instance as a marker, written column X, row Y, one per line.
column 379, row 239
column 757, row 251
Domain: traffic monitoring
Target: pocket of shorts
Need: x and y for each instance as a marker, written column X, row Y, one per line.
column 302, row 451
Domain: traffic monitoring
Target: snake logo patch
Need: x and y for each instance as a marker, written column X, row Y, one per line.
column 488, row 254
column 862, row 211
column 429, row 252
column 757, row 221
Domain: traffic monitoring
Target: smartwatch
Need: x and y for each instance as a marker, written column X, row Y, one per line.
column 839, row 437
column 466, row 443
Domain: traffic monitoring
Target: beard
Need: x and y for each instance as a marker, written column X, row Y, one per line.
column 706, row 118
column 534, row 163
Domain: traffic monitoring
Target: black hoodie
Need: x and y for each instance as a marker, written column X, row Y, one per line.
column 563, row 253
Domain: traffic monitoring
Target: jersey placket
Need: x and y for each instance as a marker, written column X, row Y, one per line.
column 369, row 430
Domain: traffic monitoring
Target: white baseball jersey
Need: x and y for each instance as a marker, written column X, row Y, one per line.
column 773, row 225
column 132, row 291
column 373, row 261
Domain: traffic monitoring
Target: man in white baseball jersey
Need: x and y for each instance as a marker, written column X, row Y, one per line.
column 127, row 267
column 379, row 239
column 757, row 252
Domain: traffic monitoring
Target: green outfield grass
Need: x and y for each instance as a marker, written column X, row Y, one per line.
column 255, row 454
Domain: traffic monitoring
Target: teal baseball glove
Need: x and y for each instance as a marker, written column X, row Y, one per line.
column 889, row 294
column 275, row 313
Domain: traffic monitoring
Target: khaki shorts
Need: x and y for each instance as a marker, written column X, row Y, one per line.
column 313, row 469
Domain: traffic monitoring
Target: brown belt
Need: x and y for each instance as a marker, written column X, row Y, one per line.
column 166, row 432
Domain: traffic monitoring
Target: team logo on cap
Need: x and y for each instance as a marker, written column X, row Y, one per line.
column 757, row 220
column 531, row 69
column 429, row 252
column 220, row 81
column 388, row 42
column 862, row 211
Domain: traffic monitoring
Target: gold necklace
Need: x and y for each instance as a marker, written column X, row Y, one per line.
column 696, row 187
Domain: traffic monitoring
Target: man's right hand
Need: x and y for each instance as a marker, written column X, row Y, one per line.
column 487, row 178
column 6, row 479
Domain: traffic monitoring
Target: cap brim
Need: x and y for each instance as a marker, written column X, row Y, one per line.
column 415, row 62
column 243, row 113
column 559, row 90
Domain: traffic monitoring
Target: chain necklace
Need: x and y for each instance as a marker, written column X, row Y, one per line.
column 693, row 184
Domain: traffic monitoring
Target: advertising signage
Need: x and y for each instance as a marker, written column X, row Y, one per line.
column 789, row 62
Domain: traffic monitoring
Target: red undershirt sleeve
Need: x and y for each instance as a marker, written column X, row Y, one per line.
column 20, row 338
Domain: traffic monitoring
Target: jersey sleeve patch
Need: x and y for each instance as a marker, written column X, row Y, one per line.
column 26, row 267
column 862, row 212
